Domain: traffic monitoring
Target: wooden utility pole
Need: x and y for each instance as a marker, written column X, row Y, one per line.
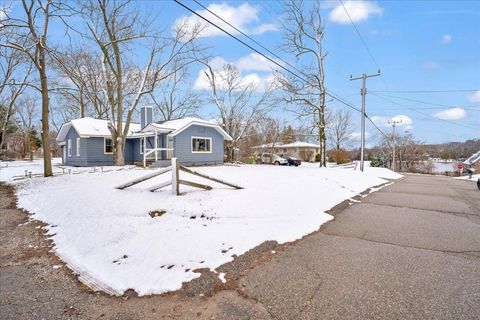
column 394, row 124
column 364, row 93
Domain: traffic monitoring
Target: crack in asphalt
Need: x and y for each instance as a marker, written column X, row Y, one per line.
column 466, row 252
column 244, row 295
column 404, row 207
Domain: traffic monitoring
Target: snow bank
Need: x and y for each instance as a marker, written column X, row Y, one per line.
column 474, row 178
column 107, row 237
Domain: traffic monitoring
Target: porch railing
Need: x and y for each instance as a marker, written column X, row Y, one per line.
column 148, row 154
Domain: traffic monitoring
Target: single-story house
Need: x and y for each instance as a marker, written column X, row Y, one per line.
column 88, row 142
column 302, row 150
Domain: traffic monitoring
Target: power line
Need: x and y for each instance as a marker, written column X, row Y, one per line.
column 426, row 91
column 425, row 102
column 331, row 93
column 423, row 113
column 328, row 92
column 363, row 41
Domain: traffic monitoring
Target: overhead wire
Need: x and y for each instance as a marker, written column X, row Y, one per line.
column 328, row 91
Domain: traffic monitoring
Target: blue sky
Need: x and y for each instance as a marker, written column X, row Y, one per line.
column 419, row 46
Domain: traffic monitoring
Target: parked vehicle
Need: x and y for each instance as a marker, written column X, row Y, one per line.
column 271, row 158
column 292, row 161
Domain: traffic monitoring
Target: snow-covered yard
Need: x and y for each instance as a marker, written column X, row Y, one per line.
column 107, row 237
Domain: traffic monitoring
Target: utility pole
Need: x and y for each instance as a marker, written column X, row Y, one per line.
column 394, row 124
column 364, row 93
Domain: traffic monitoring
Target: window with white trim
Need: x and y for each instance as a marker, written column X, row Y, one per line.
column 78, row 147
column 69, row 147
column 201, row 145
column 107, row 146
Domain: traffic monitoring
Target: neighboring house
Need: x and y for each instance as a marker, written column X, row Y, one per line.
column 473, row 162
column 88, row 142
column 302, row 150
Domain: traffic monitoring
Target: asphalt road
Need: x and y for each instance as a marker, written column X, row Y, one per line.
column 408, row 251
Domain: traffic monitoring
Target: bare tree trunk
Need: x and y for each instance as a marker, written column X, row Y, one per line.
column 47, row 155
column 29, row 141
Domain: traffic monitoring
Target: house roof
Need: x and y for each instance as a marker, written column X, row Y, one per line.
column 90, row 127
column 473, row 159
column 300, row 144
column 268, row 145
column 174, row 127
column 296, row 144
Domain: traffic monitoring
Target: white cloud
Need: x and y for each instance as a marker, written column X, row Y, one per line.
column 404, row 121
column 451, row 114
column 431, row 65
column 254, row 69
column 254, row 62
column 358, row 10
column 446, row 38
column 474, row 97
column 244, row 17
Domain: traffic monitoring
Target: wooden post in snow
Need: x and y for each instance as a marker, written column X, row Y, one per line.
column 141, row 179
column 195, row 173
column 175, row 177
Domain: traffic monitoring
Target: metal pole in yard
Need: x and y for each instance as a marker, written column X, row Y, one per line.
column 364, row 93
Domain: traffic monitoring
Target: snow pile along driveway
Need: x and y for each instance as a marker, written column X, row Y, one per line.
column 107, row 236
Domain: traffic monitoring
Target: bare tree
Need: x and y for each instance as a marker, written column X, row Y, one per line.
column 14, row 74
column 303, row 36
column 339, row 128
column 26, row 114
column 114, row 28
column 174, row 98
column 83, row 69
column 408, row 151
column 28, row 35
column 239, row 104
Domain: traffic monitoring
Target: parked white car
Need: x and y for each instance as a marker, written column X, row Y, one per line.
column 271, row 158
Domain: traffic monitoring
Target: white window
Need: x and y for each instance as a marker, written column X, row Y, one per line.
column 78, row 147
column 201, row 145
column 107, row 146
column 69, row 147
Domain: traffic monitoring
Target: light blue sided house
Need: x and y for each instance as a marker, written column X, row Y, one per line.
column 88, row 142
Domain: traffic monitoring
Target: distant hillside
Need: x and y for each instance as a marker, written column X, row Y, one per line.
column 453, row 150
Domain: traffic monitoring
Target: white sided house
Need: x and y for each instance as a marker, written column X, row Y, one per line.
column 88, row 142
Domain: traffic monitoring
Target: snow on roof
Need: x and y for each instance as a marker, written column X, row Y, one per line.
column 296, row 144
column 268, row 145
column 473, row 159
column 300, row 144
column 178, row 125
column 90, row 127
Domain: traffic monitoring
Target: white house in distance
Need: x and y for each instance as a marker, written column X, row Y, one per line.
column 302, row 150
